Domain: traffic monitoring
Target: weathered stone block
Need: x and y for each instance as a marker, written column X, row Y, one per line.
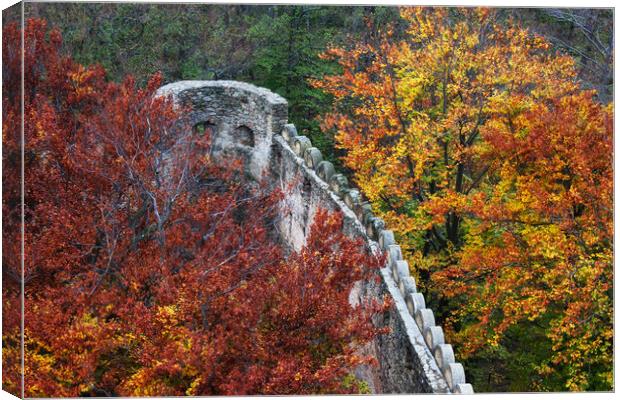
column 361, row 209
column 455, row 375
column 325, row 170
column 374, row 226
column 300, row 144
column 339, row 184
column 407, row 285
column 433, row 336
column 424, row 318
column 444, row 355
column 464, row 388
column 401, row 270
column 386, row 238
column 289, row 132
column 393, row 254
column 415, row 302
column 313, row 157
column 352, row 198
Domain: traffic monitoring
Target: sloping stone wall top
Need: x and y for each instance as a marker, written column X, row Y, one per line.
column 414, row 357
column 235, row 88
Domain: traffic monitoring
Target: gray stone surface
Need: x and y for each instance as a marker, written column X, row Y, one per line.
column 230, row 107
column 248, row 120
column 406, row 365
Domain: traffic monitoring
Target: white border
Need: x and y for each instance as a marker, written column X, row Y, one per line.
column 488, row 3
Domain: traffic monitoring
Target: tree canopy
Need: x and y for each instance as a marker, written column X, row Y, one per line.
column 483, row 137
column 477, row 145
column 150, row 269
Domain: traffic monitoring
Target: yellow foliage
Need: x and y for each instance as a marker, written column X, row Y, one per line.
column 477, row 147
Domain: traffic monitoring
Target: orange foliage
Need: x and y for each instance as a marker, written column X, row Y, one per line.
column 149, row 269
column 476, row 145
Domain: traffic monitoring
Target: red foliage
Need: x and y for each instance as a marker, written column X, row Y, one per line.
column 149, row 269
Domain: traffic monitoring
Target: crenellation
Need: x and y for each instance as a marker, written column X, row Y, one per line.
column 415, row 302
column 339, row 184
column 444, row 355
column 413, row 357
column 433, row 336
column 386, row 238
column 407, row 285
column 313, row 157
column 325, row 170
column 289, row 132
column 401, row 270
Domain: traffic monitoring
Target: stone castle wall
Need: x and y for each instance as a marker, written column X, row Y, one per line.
column 413, row 358
column 243, row 117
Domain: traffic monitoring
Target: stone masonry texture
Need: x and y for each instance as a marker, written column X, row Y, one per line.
column 405, row 362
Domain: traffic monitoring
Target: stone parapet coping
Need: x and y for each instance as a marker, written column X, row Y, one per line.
column 266, row 113
column 425, row 338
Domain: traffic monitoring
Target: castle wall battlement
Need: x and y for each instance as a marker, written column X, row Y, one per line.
column 414, row 357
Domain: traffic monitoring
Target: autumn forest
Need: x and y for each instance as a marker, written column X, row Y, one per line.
column 482, row 137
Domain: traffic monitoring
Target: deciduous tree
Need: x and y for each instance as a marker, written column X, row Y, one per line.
column 150, row 269
column 475, row 143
